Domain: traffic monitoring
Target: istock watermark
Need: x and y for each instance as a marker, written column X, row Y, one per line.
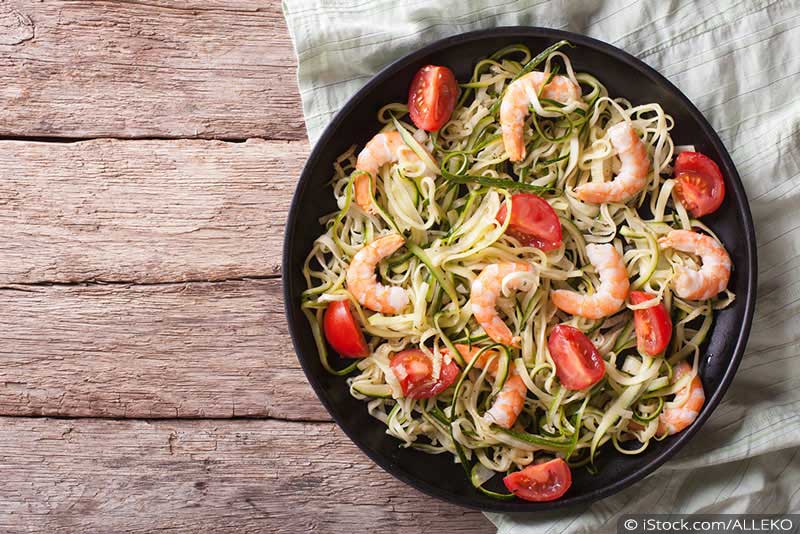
column 709, row 523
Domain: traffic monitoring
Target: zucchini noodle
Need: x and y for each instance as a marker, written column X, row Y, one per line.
column 445, row 204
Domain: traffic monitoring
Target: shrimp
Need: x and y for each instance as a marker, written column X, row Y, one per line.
column 515, row 106
column 611, row 294
column 483, row 298
column 682, row 411
column 511, row 398
column 363, row 283
column 713, row 276
column 509, row 402
column 632, row 175
column 382, row 149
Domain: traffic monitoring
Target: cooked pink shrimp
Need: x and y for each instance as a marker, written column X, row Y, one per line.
column 382, row 149
column 682, row 411
column 713, row 276
column 511, row 398
column 483, row 298
column 517, row 100
column 363, row 283
column 509, row 402
column 611, row 294
column 632, row 175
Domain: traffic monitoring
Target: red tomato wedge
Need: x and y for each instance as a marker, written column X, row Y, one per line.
column 700, row 186
column 432, row 97
column 533, row 223
column 413, row 369
column 342, row 331
column 540, row 482
column 578, row 363
column 653, row 325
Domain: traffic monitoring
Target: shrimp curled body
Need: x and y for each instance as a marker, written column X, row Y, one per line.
column 632, row 175
column 516, row 102
column 483, row 298
column 682, row 411
column 713, row 276
column 384, row 148
column 363, row 283
column 610, row 295
column 511, row 398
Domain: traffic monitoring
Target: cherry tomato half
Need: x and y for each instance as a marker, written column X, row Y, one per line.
column 432, row 97
column 578, row 363
column 540, row 482
column 533, row 223
column 653, row 325
column 699, row 186
column 413, row 369
column 342, row 331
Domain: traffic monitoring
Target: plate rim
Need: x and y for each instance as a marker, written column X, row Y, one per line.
column 742, row 209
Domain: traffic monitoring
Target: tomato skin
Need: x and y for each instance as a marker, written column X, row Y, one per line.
column 540, row 482
column 578, row 363
column 533, row 223
column 432, row 97
column 342, row 331
column 413, row 369
column 653, row 325
column 699, row 186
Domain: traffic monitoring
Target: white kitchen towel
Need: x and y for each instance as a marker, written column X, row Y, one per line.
column 739, row 62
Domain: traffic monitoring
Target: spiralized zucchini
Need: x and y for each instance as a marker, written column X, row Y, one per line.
column 447, row 215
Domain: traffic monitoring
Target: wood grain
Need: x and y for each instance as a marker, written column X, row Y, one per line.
column 204, row 476
column 144, row 211
column 86, row 69
column 151, row 351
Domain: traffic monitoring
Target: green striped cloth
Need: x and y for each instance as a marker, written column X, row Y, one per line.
column 739, row 62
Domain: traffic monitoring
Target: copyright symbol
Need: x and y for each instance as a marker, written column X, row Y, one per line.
column 630, row 524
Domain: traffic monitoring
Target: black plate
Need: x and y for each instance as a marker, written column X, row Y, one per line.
column 623, row 75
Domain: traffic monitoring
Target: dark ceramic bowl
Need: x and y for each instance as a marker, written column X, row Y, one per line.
column 623, row 75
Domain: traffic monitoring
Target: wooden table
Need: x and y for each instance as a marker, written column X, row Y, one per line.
column 147, row 381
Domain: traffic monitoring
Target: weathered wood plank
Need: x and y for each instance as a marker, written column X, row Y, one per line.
column 151, row 351
column 144, row 211
column 80, row 476
column 188, row 68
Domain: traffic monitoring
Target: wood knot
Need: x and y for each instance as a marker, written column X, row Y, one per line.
column 15, row 28
column 172, row 439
